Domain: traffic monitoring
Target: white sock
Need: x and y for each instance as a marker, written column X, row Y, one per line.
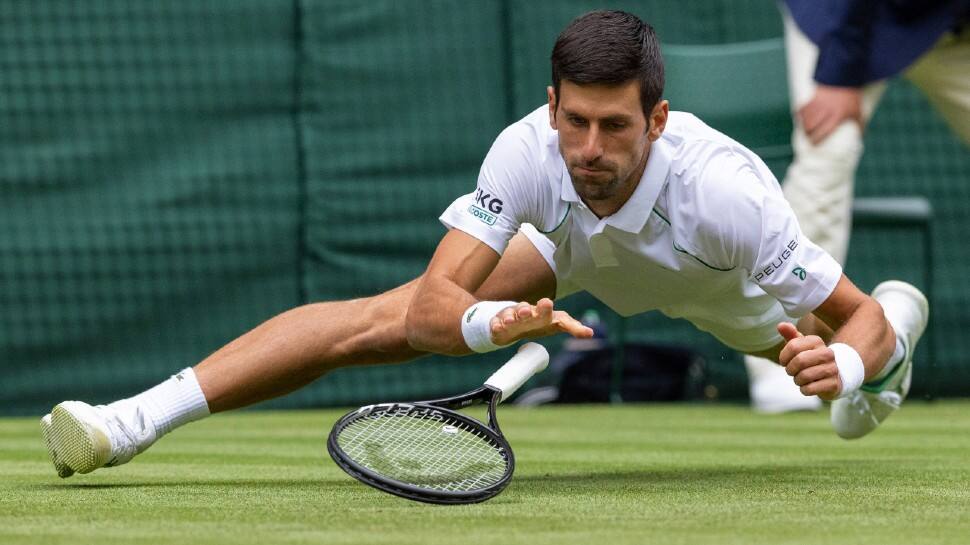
column 894, row 360
column 173, row 403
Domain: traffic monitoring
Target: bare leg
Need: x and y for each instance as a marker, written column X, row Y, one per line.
column 281, row 355
column 299, row 346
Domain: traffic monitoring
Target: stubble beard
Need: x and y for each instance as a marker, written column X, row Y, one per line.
column 592, row 188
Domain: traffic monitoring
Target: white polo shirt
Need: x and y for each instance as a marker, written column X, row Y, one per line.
column 707, row 235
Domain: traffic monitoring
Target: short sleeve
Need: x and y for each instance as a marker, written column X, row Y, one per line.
column 789, row 266
column 750, row 225
column 506, row 194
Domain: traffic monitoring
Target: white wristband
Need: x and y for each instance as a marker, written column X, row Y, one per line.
column 851, row 370
column 475, row 326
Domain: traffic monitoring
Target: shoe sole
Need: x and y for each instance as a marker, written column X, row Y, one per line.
column 80, row 446
column 62, row 470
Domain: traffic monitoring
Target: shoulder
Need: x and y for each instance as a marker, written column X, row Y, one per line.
column 711, row 173
column 528, row 138
column 719, row 191
column 523, row 171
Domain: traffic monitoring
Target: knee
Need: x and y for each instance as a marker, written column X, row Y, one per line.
column 842, row 148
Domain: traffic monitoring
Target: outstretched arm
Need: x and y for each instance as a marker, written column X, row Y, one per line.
column 459, row 267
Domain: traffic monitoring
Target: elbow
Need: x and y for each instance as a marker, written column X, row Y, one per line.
column 423, row 335
column 413, row 329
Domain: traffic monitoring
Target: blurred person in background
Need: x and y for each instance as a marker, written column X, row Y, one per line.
column 840, row 55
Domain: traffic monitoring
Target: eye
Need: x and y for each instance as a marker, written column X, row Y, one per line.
column 616, row 126
column 576, row 121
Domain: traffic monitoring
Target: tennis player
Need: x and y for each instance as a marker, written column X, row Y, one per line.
column 602, row 190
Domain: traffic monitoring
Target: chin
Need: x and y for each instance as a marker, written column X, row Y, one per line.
column 594, row 191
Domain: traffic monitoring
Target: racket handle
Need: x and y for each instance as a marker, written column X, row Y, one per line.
column 529, row 360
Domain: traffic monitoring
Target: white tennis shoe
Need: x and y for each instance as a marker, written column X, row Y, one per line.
column 62, row 470
column 81, row 438
column 908, row 311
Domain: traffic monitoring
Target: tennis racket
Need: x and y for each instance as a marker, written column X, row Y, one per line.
column 426, row 451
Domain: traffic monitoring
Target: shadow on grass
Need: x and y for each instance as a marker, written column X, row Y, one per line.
column 713, row 476
column 708, row 476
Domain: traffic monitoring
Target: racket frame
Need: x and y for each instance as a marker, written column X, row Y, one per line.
column 448, row 407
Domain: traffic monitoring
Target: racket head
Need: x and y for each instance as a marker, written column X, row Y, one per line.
column 422, row 452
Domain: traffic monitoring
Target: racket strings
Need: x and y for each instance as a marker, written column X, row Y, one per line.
column 432, row 453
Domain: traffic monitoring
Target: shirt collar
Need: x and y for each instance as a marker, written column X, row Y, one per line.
column 632, row 216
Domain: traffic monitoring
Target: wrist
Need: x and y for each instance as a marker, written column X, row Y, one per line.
column 852, row 372
column 476, row 324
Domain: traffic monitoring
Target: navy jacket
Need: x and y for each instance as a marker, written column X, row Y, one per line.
column 861, row 41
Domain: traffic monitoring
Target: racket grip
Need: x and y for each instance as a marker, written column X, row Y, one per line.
column 529, row 360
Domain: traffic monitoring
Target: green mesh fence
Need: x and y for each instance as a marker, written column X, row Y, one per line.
column 171, row 174
column 148, row 185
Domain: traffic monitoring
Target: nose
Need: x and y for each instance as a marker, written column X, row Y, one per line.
column 592, row 147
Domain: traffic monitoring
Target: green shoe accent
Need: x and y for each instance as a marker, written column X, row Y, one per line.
column 880, row 385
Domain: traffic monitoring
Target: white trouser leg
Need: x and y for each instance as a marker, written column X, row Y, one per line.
column 773, row 391
column 819, row 182
column 943, row 74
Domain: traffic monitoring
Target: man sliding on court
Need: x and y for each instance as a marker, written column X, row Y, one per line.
column 603, row 190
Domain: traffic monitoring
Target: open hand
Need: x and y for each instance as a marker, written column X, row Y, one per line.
column 530, row 321
column 810, row 362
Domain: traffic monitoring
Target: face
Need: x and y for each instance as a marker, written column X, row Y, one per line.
column 604, row 139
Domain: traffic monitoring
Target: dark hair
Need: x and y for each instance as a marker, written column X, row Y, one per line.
column 610, row 47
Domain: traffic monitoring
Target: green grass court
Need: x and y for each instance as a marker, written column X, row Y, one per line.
column 664, row 474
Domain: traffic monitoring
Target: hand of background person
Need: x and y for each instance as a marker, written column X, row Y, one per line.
column 531, row 321
column 810, row 363
column 828, row 108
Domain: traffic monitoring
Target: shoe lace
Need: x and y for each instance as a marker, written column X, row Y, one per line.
column 128, row 438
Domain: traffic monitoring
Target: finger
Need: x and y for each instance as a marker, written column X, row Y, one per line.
column 827, row 389
column 810, row 357
column 544, row 309
column 825, row 128
column 789, row 331
column 814, row 132
column 506, row 315
column 524, row 311
column 806, row 112
column 801, row 344
column 525, row 321
column 567, row 324
column 795, row 347
column 560, row 322
column 816, row 373
column 811, row 115
column 516, row 313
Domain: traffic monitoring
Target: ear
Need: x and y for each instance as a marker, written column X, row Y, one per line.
column 658, row 120
column 551, row 93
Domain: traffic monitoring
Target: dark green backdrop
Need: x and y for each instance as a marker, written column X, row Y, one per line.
column 171, row 174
